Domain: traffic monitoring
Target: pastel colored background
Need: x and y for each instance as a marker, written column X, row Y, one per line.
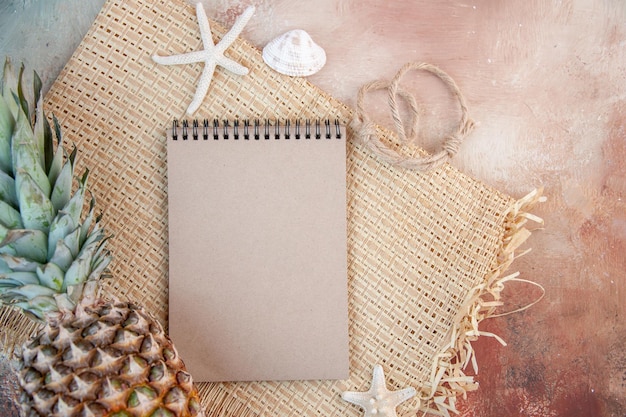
column 546, row 82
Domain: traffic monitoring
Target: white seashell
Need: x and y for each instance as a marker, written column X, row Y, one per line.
column 294, row 53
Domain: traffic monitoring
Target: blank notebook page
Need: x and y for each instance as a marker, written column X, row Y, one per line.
column 257, row 243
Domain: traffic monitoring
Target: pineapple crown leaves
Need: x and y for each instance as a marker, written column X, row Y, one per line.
column 49, row 246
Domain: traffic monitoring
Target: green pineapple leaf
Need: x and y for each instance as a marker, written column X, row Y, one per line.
column 50, row 246
column 39, row 135
column 20, row 278
column 38, row 306
column 61, row 255
column 20, row 93
column 36, row 209
column 57, row 130
column 26, row 153
column 100, row 263
column 28, row 292
column 87, row 222
column 26, row 162
column 77, row 273
column 62, row 191
column 56, row 165
column 19, row 264
column 62, row 225
column 9, row 87
column 74, row 207
column 7, row 123
column 7, row 189
column 51, row 276
column 10, row 217
column 37, row 87
column 31, row 244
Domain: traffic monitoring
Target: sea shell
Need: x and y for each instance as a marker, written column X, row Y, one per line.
column 294, row 53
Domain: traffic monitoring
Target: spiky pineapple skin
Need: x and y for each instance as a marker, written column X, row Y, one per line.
column 107, row 359
column 93, row 357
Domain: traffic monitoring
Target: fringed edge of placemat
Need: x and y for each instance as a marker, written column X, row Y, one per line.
column 448, row 379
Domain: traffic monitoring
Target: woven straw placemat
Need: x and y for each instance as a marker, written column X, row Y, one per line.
column 425, row 250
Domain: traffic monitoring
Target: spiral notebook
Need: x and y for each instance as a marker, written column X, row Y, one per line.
column 257, row 242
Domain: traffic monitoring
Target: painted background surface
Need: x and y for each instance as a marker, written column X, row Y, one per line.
column 546, row 81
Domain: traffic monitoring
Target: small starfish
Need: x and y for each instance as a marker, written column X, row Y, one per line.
column 212, row 55
column 379, row 401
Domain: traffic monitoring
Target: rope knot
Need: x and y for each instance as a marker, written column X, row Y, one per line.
column 367, row 133
column 451, row 145
column 365, row 129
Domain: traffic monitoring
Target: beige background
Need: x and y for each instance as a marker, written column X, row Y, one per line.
column 546, row 81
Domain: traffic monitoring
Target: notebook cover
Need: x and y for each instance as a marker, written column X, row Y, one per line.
column 257, row 242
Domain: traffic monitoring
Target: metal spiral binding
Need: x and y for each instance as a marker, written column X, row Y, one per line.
column 258, row 130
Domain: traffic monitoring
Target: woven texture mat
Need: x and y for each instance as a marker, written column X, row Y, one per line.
column 425, row 251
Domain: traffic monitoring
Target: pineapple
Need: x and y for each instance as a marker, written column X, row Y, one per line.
column 92, row 357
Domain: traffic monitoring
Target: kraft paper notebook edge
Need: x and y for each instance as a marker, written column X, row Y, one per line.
column 258, row 256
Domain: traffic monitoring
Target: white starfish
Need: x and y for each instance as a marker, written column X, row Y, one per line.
column 212, row 55
column 379, row 401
